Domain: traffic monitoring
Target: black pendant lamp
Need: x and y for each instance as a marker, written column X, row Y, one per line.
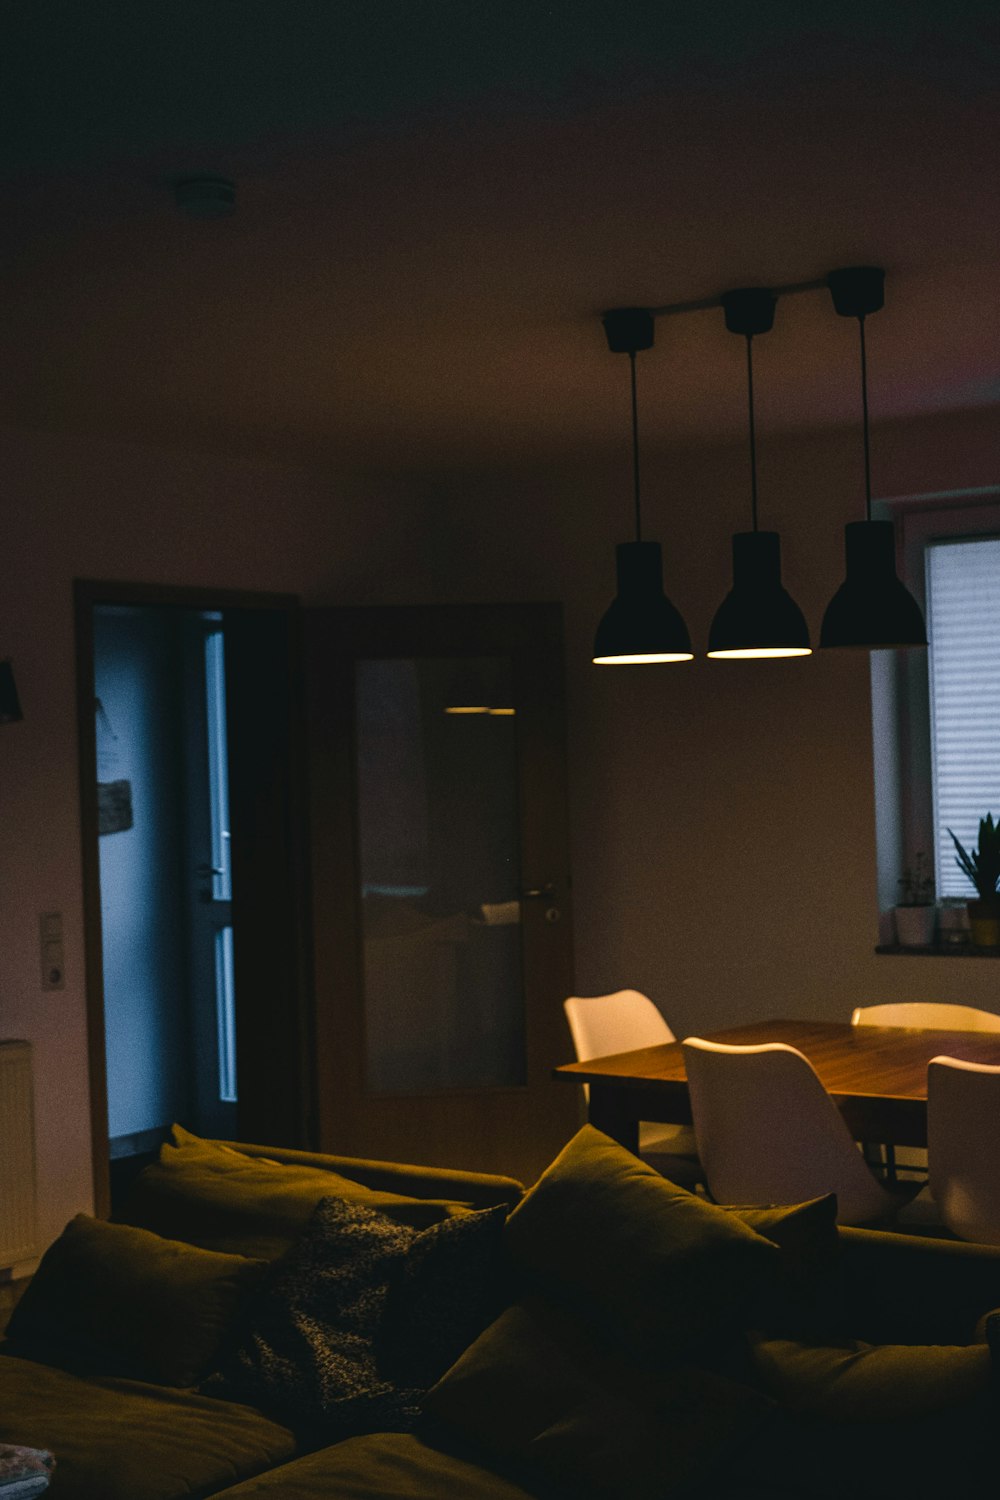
column 640, row 625
column 757, row 618
column 872, row 610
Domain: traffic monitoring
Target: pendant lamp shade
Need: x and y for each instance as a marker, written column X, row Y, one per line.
column 640, row 625
column 872, row 610
column 758, row 617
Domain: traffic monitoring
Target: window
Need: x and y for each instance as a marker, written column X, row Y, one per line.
column 963, row 619
column 218, row 766
column 936, row 715
column 222, row 881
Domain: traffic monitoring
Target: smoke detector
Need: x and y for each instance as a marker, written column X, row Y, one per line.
column 205, row 197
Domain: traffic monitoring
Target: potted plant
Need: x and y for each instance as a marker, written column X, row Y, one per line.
column 916, row 914
column 982, row 867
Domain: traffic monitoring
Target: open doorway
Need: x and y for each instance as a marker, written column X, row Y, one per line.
column 193, row 853
column 165, row 877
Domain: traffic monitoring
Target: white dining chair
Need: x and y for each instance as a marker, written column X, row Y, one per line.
column 624, row 1021
column 963, row 1146
column 768, row 1132
column 937, row 1015
column 934, row 1015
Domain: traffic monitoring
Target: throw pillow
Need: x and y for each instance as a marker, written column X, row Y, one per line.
column 658, row 1270
column 534, row 1388
column 451, row 1284
column 108, row 1299
column 806, row 1294
column 806, row 1232
column 364, row 1314
column 220, row 1199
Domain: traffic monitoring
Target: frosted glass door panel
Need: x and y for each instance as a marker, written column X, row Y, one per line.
column 438, row 868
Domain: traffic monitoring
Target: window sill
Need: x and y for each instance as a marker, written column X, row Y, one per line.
column 939, row 950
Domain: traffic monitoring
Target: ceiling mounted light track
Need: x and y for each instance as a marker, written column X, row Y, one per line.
column 872, row 610
column 758, row 617
column 640, row 626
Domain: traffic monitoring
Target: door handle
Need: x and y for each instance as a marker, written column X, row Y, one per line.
column 544, row 892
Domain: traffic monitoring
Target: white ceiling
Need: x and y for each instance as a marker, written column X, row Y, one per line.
column 436, row 198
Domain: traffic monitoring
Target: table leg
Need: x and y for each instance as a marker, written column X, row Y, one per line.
column 609, row 1112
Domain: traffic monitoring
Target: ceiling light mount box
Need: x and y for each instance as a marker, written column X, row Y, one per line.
column 205, row 197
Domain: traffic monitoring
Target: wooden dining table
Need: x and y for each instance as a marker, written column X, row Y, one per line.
column 876, row 1075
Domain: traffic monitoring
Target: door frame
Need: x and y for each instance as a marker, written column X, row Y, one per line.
column 87, row 595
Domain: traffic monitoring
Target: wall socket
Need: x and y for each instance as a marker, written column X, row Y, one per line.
column 50, row 934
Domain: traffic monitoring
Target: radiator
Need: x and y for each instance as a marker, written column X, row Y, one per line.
column 18, row 1232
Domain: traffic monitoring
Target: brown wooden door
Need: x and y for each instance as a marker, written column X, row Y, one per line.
column 442, row 916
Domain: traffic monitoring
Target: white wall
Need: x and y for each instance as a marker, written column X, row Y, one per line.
column 722, row 813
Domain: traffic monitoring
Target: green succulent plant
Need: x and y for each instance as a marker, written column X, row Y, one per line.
column 982, row 866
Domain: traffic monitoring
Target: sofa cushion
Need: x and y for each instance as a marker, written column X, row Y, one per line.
column 911, row 1289
column 658, row 1269
column 450, row 1184
column 214, row 1196
column 108, row 1299
column 125, row 1440
column 533, row 1388
column 858, row 1382
column 384, row 1466
column 913, row 1420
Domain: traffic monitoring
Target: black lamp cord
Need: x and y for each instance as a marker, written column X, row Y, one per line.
column 753, row 440
column 635, row 448
column 864, row 414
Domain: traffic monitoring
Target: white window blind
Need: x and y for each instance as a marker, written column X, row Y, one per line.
column 963, row 618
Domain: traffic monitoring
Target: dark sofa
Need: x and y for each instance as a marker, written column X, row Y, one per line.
column 635, row 1341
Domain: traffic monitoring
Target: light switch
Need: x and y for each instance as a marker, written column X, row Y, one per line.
column 51, row 949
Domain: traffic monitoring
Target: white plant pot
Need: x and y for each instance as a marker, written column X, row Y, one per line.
column 915, row 926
